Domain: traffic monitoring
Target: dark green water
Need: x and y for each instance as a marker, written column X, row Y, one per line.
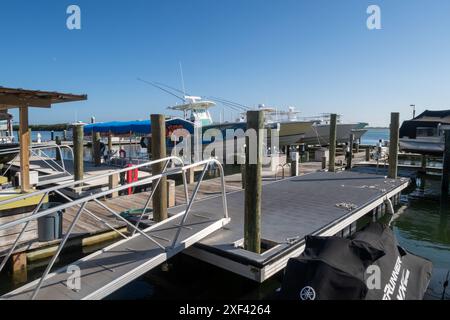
column 423, row 228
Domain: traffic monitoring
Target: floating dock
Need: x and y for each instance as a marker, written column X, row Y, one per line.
column 318, row 203
column 321, row 203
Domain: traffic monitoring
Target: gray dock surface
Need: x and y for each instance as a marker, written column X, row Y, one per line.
column 295, row 207
column 106, row 270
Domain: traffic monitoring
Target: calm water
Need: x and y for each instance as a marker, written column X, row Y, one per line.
column 131, row 150
column 372, row 136
column 422, row 226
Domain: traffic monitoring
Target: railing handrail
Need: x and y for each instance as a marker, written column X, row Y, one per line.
column 82, row 202
column 36, row 147
column 33, row 150
column 94, row 177
column 100, row 194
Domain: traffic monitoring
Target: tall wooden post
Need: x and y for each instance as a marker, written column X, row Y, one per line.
column 367, row 154
column 253, row 187
column 78, row 152
column 158, row 129
column 96, row 149
column 24, row 136
column 333, row 128
column 110, row 145
column 350, row 153
column 393, row 144
column 58, row 154
column 446, row 165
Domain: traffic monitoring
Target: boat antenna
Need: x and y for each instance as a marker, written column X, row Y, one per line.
column 182, row 79
column 238, row 105
column 161, row 88
column 171, row 88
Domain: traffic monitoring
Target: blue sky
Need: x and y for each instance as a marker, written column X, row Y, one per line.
column 316, row 55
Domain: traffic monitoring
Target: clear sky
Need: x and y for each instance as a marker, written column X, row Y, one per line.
column 316, row 55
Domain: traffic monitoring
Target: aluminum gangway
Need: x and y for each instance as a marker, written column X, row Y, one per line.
column 103, row 272
column 56, row 169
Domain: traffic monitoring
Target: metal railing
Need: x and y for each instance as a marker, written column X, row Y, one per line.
column 81, row 204
column 283, row 169
column 40, row 153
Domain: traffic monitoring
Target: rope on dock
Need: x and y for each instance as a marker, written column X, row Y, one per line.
column 347, row 205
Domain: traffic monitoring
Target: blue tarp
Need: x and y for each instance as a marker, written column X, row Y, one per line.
column 142, row 127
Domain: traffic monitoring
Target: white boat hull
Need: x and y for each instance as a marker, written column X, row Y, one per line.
column 320, row 134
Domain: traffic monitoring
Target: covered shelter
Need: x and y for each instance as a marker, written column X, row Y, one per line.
column 23, row 99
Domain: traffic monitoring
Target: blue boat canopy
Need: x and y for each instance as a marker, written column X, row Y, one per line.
column 141, row 127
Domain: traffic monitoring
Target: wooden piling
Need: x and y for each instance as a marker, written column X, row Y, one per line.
column 393, row 144
column 350, row 151
column 58, row 153
column 324, row 163
column 446, row 164
column 171, row 193
column 367, row 154
column 24, row 137
column 78, row 152
column 65, row 135
column 19, row 267
column 243, row 175
column 253, row 190
column 294, row 164
column 110, row 145
column 113, row 182
column 96, row 149
column 190, row 176
column 332, row 156
column 158, row 129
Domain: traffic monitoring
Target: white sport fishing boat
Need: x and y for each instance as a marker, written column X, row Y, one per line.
column 319, row 134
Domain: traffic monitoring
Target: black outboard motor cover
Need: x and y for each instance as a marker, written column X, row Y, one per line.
column 369, row 266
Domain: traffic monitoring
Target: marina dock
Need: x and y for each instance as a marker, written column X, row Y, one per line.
column 318, row 203
column 249, row 223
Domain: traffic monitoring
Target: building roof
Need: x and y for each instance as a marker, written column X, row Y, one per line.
column 442, row 116
column 16, row 98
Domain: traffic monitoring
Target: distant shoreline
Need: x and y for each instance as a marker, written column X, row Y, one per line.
column 46, row 127
column 378, row 128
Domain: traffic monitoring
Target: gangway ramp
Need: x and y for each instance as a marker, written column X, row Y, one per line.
column 101, row 273
column 107, row 270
